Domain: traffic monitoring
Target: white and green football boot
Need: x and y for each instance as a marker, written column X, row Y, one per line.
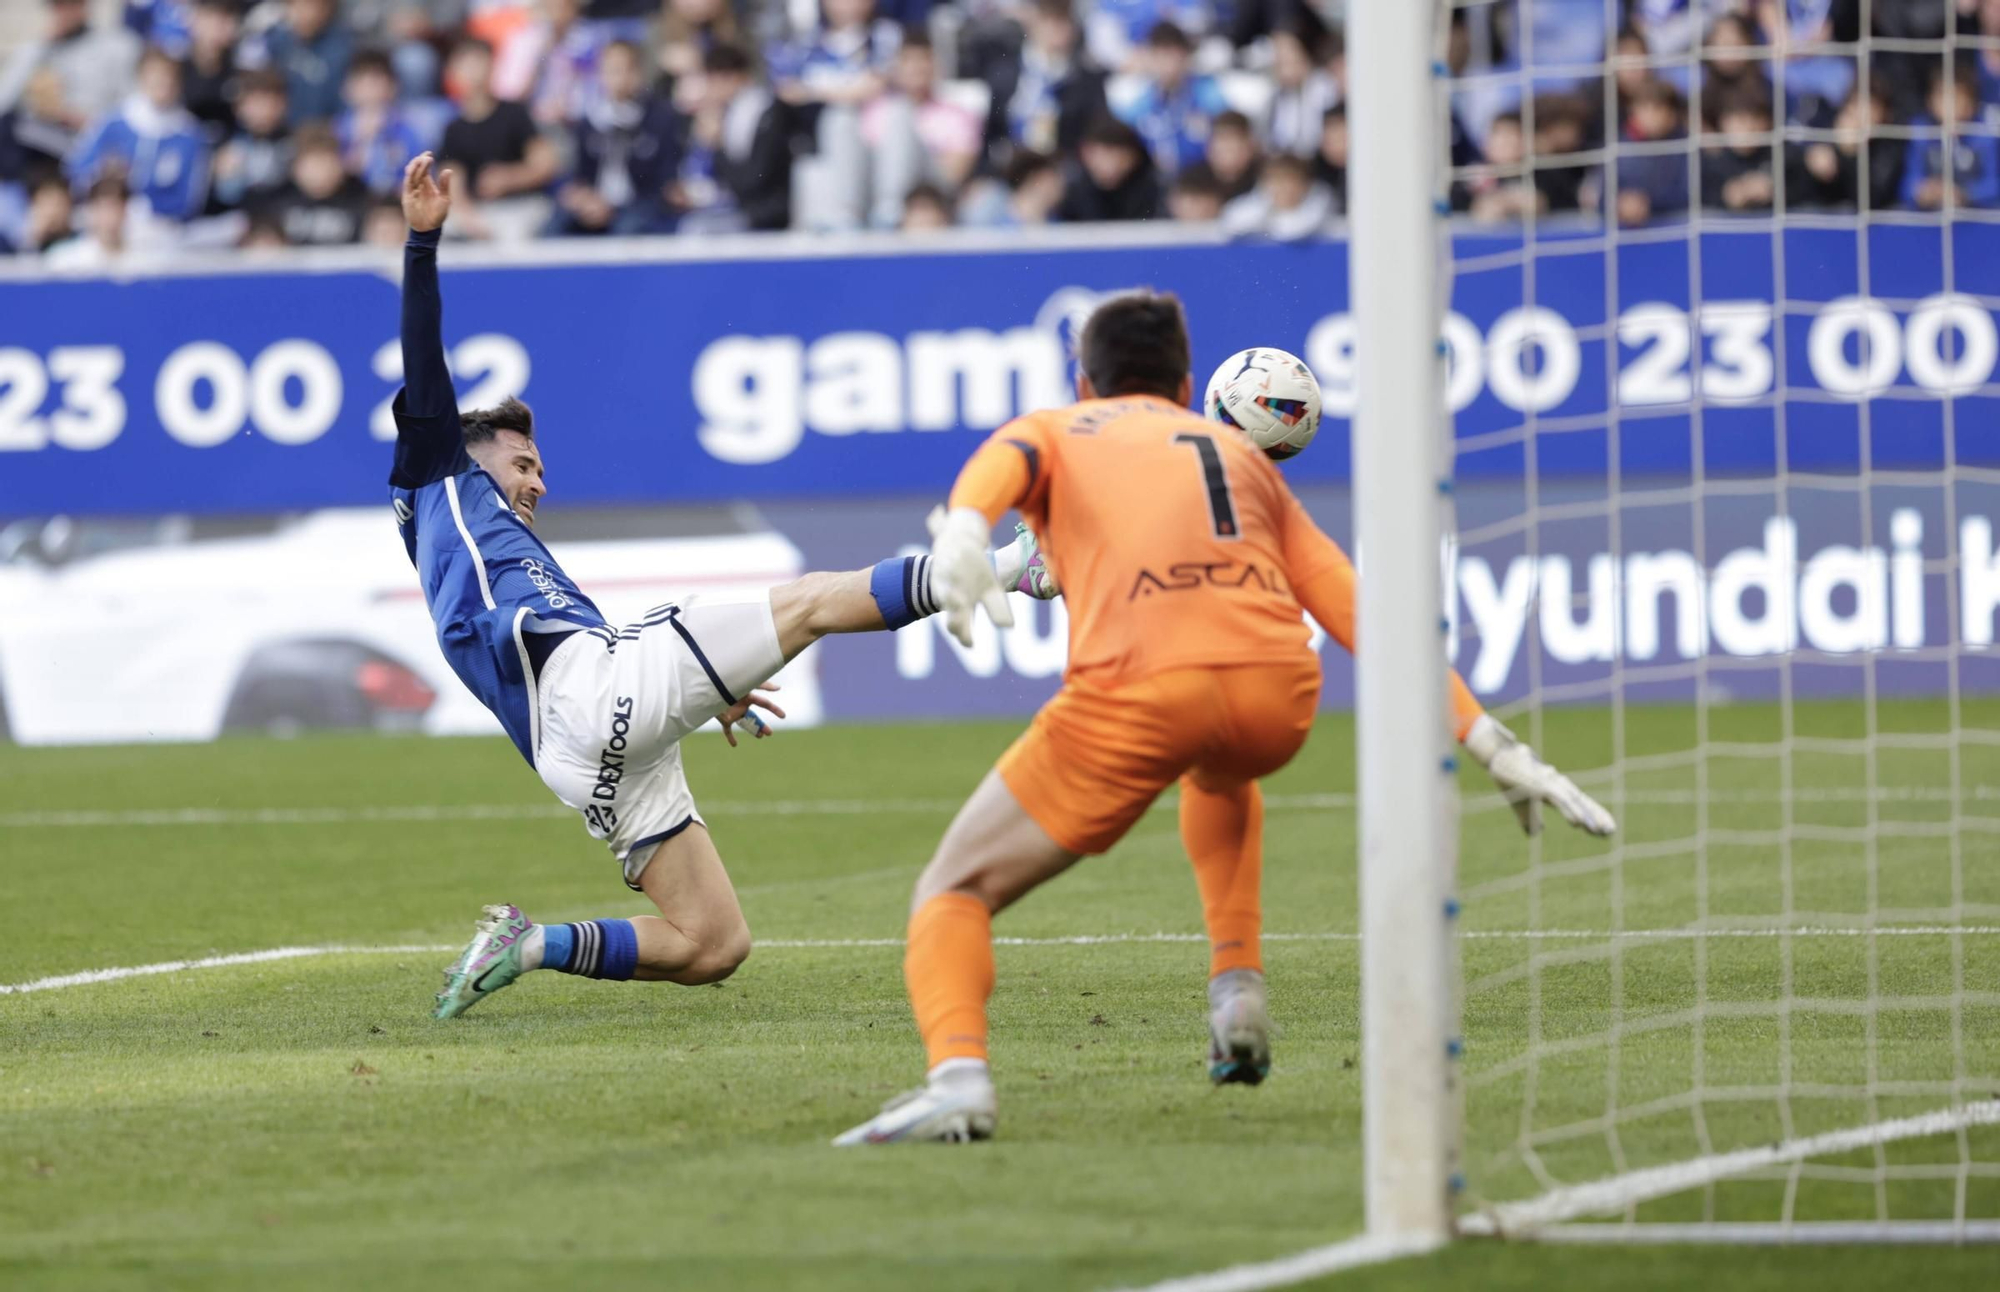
column 1239, row 1029
column 489, row 962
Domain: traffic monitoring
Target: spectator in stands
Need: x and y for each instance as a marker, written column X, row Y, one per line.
column 1287, row 206
column 1828, row 175
column 1330, row 162
column 1815, row 81
column 1673, row 27
column 1736, row 173
column 262, row 232
column 311, row 51
column 913, row 136
column 1196, row 195
column 104, row 241
column 153, row 143
column 51, row 211
column 1629, row 71
column 376, row 138
column 1045, row 97
column 1034, row 189
column 1562, row 127
column 1562, row 36
column 503, row 163
column 551, row 63
column 52, row 88
column 926, row 208
column 1175, row 110
column 1651, row 184
column 1113, row 178
column 844, row 67
column 164, row 24
column 1504, row 191
column 1232, row 155
column 256, row 160
column 323, row 206
column 686, row 31
column 413, row 32
column 208, row 75
column 627, row 150
column 1119, row 29
column 384, row 225
column 1303, row 94
column 1985, row 20
column 736, row 170
column 1943, row 168
column 1728, row 71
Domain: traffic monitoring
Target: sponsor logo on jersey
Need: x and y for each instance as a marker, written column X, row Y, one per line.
column 1185, row 576
column 611, row 759
column 538, row 574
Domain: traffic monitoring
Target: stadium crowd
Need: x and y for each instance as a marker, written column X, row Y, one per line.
column 258, row 123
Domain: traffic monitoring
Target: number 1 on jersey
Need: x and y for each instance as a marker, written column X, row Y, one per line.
column 1221, row 507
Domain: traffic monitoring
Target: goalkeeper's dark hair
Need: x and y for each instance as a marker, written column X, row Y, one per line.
column 482, row 425
column 1136, row 344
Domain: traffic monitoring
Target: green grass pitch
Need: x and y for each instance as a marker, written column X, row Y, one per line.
column 305, row 1124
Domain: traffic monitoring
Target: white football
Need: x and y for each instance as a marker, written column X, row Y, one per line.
column 1270, row 396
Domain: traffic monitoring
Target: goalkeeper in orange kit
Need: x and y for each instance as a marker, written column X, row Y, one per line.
column 1187, row 566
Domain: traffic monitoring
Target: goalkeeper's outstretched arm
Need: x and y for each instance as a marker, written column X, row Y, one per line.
column 1323, row 579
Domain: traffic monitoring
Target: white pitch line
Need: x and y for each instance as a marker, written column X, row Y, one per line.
column 90, row 977
column 1317, row 1262
column 1614, row 1194
column 426, row 812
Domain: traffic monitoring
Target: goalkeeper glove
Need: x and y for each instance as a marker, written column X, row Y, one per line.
column 962, row 571
column 1528, row 782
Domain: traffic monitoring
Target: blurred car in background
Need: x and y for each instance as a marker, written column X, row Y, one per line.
column 176, row 628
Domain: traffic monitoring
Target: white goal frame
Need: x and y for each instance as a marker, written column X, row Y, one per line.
column 1406, row 762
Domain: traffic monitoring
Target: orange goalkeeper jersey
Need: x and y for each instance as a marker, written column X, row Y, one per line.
column 1176, row 542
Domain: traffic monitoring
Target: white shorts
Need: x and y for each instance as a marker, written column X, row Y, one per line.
column 614, row 704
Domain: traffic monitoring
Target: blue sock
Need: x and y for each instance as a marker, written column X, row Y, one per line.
column 901, row 587
column 594, row 949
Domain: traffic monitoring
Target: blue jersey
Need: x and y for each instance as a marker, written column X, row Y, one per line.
column 496, row 595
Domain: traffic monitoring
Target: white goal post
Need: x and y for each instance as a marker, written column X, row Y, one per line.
column 1717, row 486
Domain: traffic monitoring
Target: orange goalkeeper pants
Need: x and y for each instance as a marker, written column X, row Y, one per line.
column 1095, row 759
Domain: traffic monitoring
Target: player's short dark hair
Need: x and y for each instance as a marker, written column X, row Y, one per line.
column 371, row 60
column 726, row 58
column 1167, row 35
column 1136, row 344
column 482, row 425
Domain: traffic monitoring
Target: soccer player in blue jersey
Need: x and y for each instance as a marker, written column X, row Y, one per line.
column 597, row 710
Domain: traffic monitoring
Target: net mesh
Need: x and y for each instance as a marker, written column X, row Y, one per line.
column 1728, row 465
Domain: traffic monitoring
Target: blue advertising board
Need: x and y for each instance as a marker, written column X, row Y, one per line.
column 667, row 379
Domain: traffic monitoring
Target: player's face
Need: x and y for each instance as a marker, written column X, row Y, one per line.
column 515, row 464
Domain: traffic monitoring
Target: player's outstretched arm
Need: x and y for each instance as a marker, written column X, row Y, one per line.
column 1324, row 581
column 1006, row 472
column 426, row 202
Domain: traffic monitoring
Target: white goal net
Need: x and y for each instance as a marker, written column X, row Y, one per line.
column 1725, row 396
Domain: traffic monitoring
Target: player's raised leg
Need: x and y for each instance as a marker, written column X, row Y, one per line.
column 890, row 594
column 1222, row 828
column 993, row 855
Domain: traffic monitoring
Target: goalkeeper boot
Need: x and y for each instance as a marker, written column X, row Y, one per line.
column 1239, row 1029
column 489, row 962
column 1025, row 554
column 954, row 1107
